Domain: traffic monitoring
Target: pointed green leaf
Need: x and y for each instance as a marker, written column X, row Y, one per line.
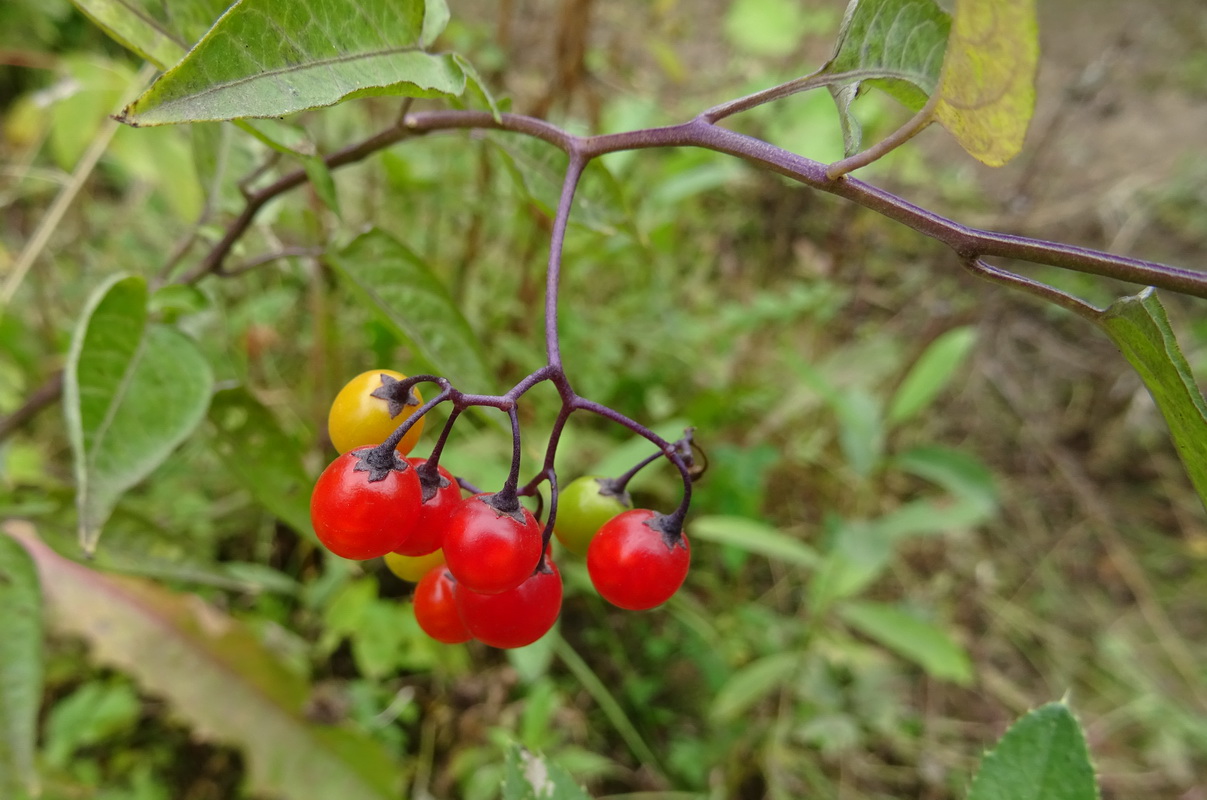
column 416, row 305
column 528, row 776
column 265, row 58
column 961, row 474
column 932, row 517
column 902, row 39
column 218, row 676
column 861, row 428
column 20, row 668
column 922, row 642
column 1042, row 757
column 132, row 392
column 754, row 537
column 1140, row 329
column 987, row 90
column 262, row 458
column 96, row 711
column 752, row 683
column 931, row 373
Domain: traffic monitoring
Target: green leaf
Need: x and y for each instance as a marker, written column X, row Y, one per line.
column 132, row 392
column 752, row 683
column 219, row 677
column 532, row 662
column 962, row 474
column 322, row 181
column 1140, row 329
column 133, row 31
column 262, row 458
column 1042, row 757
column 932, row 517
column 265, row 58
column 861, row 428
column 20, row 668
column 177, row 300
column 532, row 777
column 917, row 640
column 861, row 552
column 754, row 537
column 415, row 304
column 902, row 39
column 987, row 90
column 931, row 373
column 612, row 709
column 435, row 20
column 475, row 87
column 863, row 549
column 88, row 716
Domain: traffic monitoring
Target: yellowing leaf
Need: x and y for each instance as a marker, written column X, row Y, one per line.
column 987, row 88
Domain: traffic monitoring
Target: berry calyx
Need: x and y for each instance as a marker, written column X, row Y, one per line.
column 369, row 408
column 517, row 617
column 489, row 550
column 440, row 495
column 364, row 503
column 436, row 608
column 635, row 562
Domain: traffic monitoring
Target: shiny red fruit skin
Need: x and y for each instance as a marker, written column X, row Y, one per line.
column 358, row 519
column 517, row 617
column 488, row 551
column 630, row 564
column 427, row 534
column 436, row 608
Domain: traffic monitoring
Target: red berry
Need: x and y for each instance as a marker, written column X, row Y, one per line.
column 441, row 495
column 634, row 564
column 436, row 608
column 364, row 503
column 516, row 617
column 491, row 551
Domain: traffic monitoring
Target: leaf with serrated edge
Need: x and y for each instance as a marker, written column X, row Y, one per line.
column 132, row 392
column 987, row 90
column 1140, row 329
column 416, row 305
column 1042, row 757
column 903, row 39
column 218, row 676
column 922, row 642
column 20, row 668
column 265, row 58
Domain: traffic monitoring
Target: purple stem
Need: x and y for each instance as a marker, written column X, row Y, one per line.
column 965, row 241
column 574, row 171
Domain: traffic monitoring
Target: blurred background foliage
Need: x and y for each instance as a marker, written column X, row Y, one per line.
column 930, row 505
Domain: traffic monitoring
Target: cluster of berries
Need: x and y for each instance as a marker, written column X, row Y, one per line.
column 483, row 562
